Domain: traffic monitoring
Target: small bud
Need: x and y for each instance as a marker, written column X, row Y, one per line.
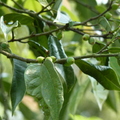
column 40, row 59
column 91, row 41
column 53, row 58
column 49, row 58
column 86, row 37
column 69, row 61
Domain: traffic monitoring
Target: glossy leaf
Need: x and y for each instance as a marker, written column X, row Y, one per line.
column 44, row 83
column 18, row 87
column 40, row 40
column 39, row 49
column 103, row 74
column 56, row 49
column 115, row 66
column 105, row 24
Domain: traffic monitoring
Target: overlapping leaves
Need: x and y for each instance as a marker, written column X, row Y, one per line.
column 18, row 87
column 44, row 83
column 56, row 49
column 103, row 74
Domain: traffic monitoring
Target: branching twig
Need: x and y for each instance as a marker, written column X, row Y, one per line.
column 96, row 17
column 60, row 61
column 44, row 8
column 109, row 43
column 33, row 14
column 36, row 35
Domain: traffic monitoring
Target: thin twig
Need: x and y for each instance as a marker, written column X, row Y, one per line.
column 87, row 6
column 15, row 9
column 109, row 43
column 96, row 17
column 36, row 35
column 81, row 33
column 20, row 6
column 17, row 57
column 43, row 10
column 34, row 15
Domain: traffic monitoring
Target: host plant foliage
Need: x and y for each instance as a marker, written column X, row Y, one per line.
column 61, row 35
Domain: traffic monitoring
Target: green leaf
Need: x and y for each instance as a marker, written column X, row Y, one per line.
column 105, row 24
column 32, row 5
column 44, row 3
column 56, row 49
column 82, row 11
column 74, row 99
column 114, row 49
column 112, row 102
column 79, row 117
column 40, row 40
column 44, row 83
column 96, row 48
column 103, row 74
column 115, row 66
column 39, row 49
column 18, row 87
column 57, row 5
column 100, row 8
column 7, row 28
column 70, row 13
column 99, row 92
column 23, row 19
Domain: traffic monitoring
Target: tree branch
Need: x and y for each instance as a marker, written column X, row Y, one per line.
column 35, row 15
column 17, row 57
column 96, row 17
column 112, row 41
column 60, row 61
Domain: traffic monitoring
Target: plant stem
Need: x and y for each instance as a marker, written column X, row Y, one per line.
column 60, row 61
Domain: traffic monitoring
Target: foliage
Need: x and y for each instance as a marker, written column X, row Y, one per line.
column 57, row 52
